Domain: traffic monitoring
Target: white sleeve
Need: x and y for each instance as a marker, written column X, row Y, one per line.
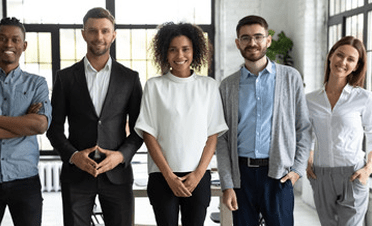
column 367, row 123
column 216, row 119
column 146, row 120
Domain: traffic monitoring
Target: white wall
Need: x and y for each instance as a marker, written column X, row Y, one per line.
column 303, row 21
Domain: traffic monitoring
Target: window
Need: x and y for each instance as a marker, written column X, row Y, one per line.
column 352, row 17
column 55, row 41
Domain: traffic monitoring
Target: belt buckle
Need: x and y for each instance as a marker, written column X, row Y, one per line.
column 250, row 165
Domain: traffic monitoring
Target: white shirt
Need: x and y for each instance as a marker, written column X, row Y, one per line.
column 339, row 132
column 97, row 82
column 181, row 113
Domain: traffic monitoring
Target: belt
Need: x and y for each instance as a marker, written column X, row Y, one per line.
column 253, row 162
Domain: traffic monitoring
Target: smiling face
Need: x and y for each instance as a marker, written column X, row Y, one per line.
column 12, row 45
column 253, row 50
column 343, row 61
column 180, row 56
column 99, row 34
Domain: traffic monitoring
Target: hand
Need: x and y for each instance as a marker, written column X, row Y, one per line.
column 229, row 199
column 113, row 158
column 293, row 176
column 362, row 175
column 82, row 161
column 34, row 108
column 309, row 171
column 177, row 186
column 191, row 180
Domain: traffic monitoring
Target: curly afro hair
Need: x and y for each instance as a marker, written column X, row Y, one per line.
column 202, row 48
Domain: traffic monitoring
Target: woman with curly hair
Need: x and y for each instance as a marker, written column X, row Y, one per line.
column 180, row 119
column 341, row 116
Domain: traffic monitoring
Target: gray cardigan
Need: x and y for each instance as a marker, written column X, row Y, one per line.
column 290, row 135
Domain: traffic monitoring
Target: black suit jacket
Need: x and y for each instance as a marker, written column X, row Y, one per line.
column 71, row 99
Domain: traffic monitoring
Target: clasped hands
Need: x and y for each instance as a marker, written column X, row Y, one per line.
column 183, row 186
column 82, row 160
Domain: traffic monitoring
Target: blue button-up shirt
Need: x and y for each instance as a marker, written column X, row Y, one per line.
column 19, row 157
column 256, row 100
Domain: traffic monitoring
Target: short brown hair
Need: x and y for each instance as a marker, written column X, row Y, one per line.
column 97, row 13
column 250, row 20
column 355, row 78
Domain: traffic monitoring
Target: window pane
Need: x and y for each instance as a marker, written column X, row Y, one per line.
column 160, row 11
column 334, row 35
column 73, row 47
column 132, row 50
column 37, row 59
column 337, row 6
column 332, row 7
column 354, row 26
column 47, row 11
column 369, row 52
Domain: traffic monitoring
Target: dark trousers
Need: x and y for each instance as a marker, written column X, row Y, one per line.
column 24, row 200
column 166, row 205
column 262, row 194
column 116, row 202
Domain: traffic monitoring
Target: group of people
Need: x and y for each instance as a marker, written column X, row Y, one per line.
column 258, row 120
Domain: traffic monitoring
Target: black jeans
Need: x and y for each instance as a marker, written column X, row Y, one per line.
column 24, row 200
column 166, row 205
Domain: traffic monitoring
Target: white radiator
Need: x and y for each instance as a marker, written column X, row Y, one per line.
column 49, row 172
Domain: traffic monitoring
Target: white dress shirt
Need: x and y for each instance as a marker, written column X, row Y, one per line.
column 338, row 132
column 97, row 82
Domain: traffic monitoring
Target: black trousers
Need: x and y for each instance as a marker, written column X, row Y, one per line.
column 116, row 202
column 23, row 197
column 167, row 206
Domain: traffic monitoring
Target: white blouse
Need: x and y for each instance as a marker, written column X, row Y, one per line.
column 338, row 133
column 181, row 113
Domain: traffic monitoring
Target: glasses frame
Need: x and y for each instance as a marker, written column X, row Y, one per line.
column 245, row 39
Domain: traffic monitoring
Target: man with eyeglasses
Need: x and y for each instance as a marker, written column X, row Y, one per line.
column 266, row 148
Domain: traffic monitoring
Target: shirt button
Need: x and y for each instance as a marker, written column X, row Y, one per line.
column 99, row 122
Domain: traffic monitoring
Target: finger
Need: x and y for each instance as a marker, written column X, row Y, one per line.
column 311, row 174
column 92, row 149
column 284, row 179
column 354, row 176
column 234, row 204
column 184, row 192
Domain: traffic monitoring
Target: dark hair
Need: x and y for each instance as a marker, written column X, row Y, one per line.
column 202, row 48
column 98, row 13
column 355, row 78
column 250, row 20
column 13, row 22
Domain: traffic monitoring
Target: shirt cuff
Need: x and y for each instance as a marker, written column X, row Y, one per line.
column 71, row 157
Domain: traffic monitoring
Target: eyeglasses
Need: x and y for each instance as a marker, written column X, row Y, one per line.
column 247, row 39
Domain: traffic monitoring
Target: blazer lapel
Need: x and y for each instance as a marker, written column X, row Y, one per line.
column 113, row 86
column 81, row 80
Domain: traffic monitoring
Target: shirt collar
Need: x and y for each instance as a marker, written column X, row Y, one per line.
column 348, row 88
column 88, row 65
column 14, row 74
column 269, row 69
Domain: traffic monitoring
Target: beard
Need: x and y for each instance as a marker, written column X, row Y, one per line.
column 253, row 57
column 97, row 51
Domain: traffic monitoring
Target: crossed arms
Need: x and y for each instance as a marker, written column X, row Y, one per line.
column 26, row 125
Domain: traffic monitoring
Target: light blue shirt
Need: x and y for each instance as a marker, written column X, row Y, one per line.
column 19, row 157
column 256, row 101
